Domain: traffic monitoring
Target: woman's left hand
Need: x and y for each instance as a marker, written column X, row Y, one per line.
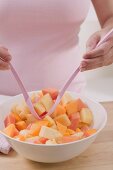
column 100, row 56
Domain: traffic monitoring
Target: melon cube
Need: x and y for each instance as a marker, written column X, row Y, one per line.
column 59, row 111
column 47, row 102
column 66, row 98
column 61, row 128
column 63, row 119
column 53, row 92
column 50, row 120
column 72, row 107
column 39, row 108
column 11, row 130
column 21, row 125
column 86, row 116
column 49, row 133
column 10, row 119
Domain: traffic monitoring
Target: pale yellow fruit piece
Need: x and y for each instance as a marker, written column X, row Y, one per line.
column 49, row 133
column 39, row 108
column 86, row 116
column 47, row 102
column 66, row 98
column 63, row 119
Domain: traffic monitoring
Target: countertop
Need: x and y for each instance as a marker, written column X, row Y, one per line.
column 98, row 156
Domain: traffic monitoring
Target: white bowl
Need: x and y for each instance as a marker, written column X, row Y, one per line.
column 54, row 153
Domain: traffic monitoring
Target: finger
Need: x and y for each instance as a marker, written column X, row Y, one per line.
column 91, row 63
column 91, row 67
column 4, row 54
column 101, row 50
column 4, row 65
column 92, row 41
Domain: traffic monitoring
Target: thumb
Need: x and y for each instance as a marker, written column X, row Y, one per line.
column 92, row 41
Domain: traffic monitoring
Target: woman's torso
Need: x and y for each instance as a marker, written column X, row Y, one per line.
column 42, row 37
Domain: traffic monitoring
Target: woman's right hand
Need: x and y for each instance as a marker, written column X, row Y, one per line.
column 5, row 58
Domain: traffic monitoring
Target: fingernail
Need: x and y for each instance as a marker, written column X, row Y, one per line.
column 82, row 69
column 84, row 64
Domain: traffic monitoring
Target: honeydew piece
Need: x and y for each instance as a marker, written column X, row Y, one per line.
column 63, row 119
column 51, row 142
column 86, row 116
column 40, row 109
column 47, row 102
column 32, row 139
column 50, row 120
column 49, row 133
column 66, row 98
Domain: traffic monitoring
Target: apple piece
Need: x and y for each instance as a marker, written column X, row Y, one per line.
column 11, row 130
column 10, row 119
column 39, row 108
column 61, row 128
column 86, row 116
column 58, row 111
column 75, row 119
column 21, row 125
column 16, row 109
column 63, row 119
column 52, row 91
column 49, row 133
column 24, row 132
column 66, row 98
column 47, row 102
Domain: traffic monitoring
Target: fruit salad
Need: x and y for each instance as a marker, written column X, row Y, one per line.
column 72, row 120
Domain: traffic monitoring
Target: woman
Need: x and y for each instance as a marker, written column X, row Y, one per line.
column 41, row 37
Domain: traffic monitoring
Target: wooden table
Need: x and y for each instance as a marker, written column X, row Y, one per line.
column 98, row 157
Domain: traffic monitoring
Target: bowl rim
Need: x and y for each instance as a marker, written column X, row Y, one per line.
column 63, row 144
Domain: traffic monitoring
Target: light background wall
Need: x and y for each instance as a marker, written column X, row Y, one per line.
column 100, row 81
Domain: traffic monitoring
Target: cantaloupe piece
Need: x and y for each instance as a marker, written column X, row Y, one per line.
column 78, row 130
column 21, row 125
column 35, row 128
column 75, row 119
column 39, row 108
column 86, row 116
column 66, row 139
column 20, row 137
column 70, row 131
column 58, row 111
column 30, row 119
column 61, row 128
column 17, row 117
column 47, row 102
column 11, row 130
column 52, row 91
column 66, row 99
column 10, row 119
column 50, row 120
column 72, row 107
column 63, row 119
column 81, row 105
column 90, row 132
